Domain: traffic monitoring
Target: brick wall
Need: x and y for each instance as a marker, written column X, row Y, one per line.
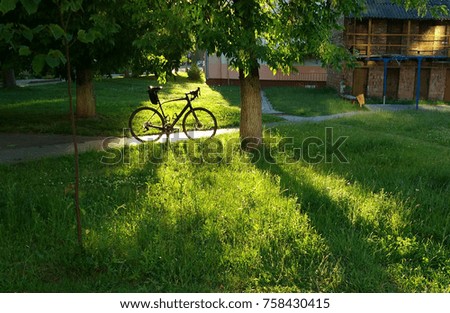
column 437, row 83
column 356, row 36
column 407, row 81
column 334, row 79
column 375, row 80
column 379, row 27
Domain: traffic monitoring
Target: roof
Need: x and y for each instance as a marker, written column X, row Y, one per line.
column 387, row 10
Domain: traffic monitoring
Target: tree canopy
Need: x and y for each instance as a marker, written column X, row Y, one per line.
column 156, row 33
column 276, row 32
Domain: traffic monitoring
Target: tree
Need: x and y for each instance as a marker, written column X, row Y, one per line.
column 99, row 37
column 100, row 28
column 164, row 34
column 12, row 39
column 276, row 32
column 67, row 30
column 59, row 28
column 279, row 33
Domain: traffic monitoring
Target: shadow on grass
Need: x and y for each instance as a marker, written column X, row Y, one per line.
column 308, row 102
column 173, row 226
column 362, row 266
column 134, row 237
column 385, row 213
column 167, row 226
column 147, row 244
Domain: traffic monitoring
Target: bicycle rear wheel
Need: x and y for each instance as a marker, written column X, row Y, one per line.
column 199, row 122
column 146, row 124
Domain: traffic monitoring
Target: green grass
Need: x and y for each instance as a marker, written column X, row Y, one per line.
column 385, row 214
column 379, row 223
column 45, row 108
column 308, row 102
column 405, row 102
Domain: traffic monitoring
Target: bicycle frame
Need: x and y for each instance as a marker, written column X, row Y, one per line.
column 187, row 107
column 145, row 121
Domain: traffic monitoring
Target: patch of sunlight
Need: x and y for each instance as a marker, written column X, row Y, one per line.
column 208, row 95
column 225, row 224
column 261, row 234
column 380, row 210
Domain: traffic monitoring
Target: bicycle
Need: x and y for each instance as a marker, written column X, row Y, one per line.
column 148, row 124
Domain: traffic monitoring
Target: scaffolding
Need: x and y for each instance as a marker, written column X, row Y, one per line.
column 370, row 37
column 399, row 58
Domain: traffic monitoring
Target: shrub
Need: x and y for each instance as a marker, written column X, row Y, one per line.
column 195, row 73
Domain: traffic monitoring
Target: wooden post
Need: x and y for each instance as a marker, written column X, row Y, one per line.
column 369, row 39
column 408, row 38
column 9, row 78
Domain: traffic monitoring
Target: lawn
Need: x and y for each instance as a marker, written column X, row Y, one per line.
column 406, row 102
column 308, row 102
column 45, row 109
column 205, row 217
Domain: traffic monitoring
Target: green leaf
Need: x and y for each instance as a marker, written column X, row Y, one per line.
column 7, row 5
column 38, row 29
column 56, row 31
column 24, row 51
column 81, row 35
column 28, row 33
column 6, row 32
column 30, row 6
column 54, row 58
column 87, row 37
column 71, row 5
column 38, row 63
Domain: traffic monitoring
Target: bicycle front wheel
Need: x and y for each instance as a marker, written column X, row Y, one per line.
column 146, row 124
column 198, row 123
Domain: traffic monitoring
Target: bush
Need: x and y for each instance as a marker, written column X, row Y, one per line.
column 195, row 73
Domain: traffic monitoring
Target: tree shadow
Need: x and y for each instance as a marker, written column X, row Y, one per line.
column 361, row 263
column 146, row 244
column 154, row 224
column 133, row 240
column 177, row 237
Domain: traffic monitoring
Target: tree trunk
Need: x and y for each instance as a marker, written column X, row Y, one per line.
column 251, row 110
column 85, row 93
column 9, row 79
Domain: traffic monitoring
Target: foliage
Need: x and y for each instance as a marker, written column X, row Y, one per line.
column 426, row 6
column 103, row 34
column 195, row 73
column 163, row 34
column 276, row 32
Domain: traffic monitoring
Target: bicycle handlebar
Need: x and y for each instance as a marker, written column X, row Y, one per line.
column 194, row 93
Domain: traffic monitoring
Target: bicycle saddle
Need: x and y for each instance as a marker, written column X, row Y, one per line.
column 154, row 89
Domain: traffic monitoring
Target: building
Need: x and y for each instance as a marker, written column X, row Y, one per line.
column 310, row 74
column 400, row 55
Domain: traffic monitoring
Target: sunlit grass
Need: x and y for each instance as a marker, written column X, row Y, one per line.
column 308, row 102
column 385, row 211
column 202, row 220
column 45, row 108
column 167, row 227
